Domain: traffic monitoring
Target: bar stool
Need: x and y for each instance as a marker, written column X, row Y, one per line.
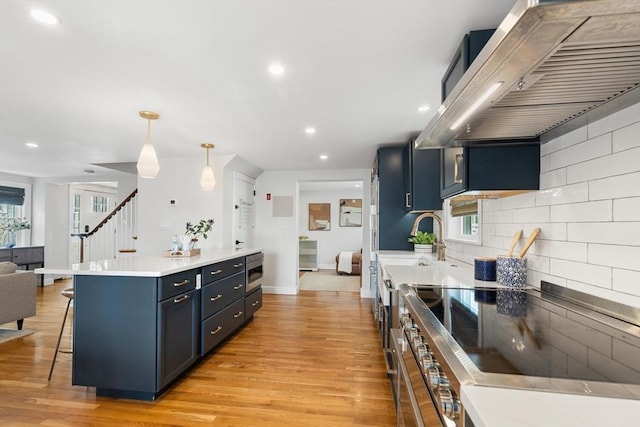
column 68, row 293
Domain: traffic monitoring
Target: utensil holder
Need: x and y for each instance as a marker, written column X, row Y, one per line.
column 511, row 271
column 485, row 269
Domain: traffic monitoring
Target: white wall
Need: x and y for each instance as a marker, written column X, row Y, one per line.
column 278, row 236
column 179, row 180
column 588, row 209
column 337, row 239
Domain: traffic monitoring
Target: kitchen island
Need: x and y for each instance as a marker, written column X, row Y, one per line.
column 141, row 321
column 489, row 405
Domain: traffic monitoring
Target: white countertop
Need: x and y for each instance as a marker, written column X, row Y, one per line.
column 503, row 407
column 147, row 266
column 421, row 269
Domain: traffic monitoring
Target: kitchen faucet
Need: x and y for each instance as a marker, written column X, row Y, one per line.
column 440, row 242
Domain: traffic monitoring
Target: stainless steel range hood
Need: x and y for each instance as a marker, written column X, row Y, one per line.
column 558, row 61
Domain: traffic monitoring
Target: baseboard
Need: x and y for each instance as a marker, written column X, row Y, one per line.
column 281, row 290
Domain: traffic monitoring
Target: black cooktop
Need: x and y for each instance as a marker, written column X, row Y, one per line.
column 521, row 332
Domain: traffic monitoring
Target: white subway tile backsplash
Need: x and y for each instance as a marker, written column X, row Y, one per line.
column 553, row 231
column 582, row 212
column 619, row 256
column 616, row 164
column 615, row 187
column 613, row 233
column 498, row 217
column 554, row 178
column 626, row 209
column 562, row 195
column 626, row 138
column 580, row 272
column 562, row 250
column 519, row 201
column 507, row 230
column 626, row 281
column 537, row 215
column 535, row 262
column 567, row 140
column 615, row 121
column 590, row 149
column 535, row 277
column 544, row 163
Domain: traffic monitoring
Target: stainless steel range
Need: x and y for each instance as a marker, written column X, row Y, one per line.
column 552, row 340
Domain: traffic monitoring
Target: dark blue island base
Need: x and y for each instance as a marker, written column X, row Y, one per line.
column 133, row 336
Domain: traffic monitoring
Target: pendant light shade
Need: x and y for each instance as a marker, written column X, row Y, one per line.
column 207, row 180
column 148, row 166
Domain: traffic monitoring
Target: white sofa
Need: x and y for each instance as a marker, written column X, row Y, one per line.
column 17, row 294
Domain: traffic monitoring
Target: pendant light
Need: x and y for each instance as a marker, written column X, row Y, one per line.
column 148, row 166
column 207, row 180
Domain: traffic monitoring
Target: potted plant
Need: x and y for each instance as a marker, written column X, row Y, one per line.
column 423, row 242
column 201, row 228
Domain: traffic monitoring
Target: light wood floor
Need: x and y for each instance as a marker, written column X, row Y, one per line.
column 307, row 360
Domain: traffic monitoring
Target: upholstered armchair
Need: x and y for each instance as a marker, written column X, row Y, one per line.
column 17, row 294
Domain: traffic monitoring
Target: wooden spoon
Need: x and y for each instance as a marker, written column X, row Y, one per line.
column 530, row 240
column 514, row 242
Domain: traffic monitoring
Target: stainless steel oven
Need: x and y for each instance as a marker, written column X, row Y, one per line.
column 511, row 338
column 254, row 271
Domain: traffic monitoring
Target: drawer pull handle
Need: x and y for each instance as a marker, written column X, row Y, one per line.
column 255, row 303
column 235, row 288
column 216, row 272
column 184, row 282
column 184, row 298
column 238, row 265
column 238, row 314
column 218, row 329
column 217, row 297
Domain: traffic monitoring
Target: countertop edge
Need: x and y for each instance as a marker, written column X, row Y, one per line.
column 147, row 266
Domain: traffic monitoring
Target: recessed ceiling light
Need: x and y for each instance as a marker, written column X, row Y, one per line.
column 31, row 144
column 309, row 130
column 44, row 17
column 323, row 157
column 357, row 185
column 276, row 69
column 423, row 109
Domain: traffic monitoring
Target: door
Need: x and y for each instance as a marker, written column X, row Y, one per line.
column 244, row 211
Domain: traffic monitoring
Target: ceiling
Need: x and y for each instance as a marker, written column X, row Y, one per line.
column 356, row 71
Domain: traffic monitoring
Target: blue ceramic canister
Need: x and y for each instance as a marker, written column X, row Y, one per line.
column 511, row 271
column 485, row 269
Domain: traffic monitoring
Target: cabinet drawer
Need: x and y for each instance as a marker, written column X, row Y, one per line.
column 219, row 326
column 175, row 284
column 222, row 269
column 220, row 294
column 252, row 303
column 6, row 255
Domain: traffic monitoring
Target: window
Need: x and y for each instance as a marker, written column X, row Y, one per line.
column 99, row 204
column 463, row 220
column 14, row 204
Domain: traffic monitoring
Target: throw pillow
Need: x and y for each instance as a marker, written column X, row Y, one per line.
column 7, row 267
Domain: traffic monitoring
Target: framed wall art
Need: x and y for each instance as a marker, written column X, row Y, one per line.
column 320, row 216
column 350, row 212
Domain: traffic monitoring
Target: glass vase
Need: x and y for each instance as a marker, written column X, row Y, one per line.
column 8, row 239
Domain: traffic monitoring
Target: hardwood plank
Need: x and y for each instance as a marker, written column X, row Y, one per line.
column 308, row 360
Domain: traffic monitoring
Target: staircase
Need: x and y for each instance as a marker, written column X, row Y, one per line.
column 115, row 234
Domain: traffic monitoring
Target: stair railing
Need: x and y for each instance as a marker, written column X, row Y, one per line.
column 116, row 233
